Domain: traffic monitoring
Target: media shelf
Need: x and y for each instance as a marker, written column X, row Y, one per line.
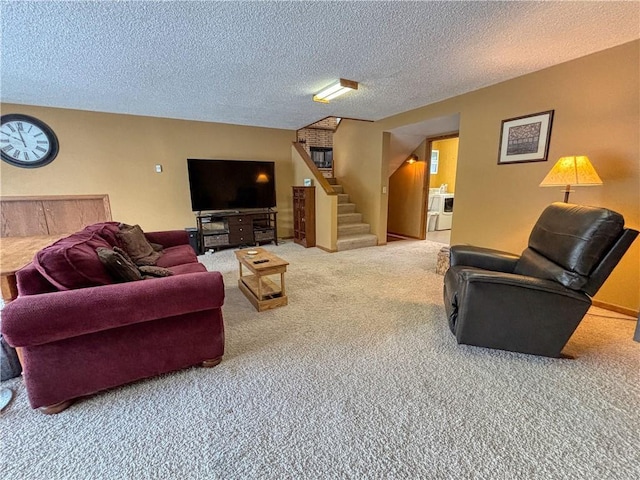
column 218, row 230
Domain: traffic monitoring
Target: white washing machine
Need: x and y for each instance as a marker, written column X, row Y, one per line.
column 442, row 203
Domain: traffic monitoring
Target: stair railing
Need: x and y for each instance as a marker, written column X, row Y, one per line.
column 319, row 178
column 326, row 199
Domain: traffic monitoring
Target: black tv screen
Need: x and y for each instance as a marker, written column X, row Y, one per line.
column 231, row 184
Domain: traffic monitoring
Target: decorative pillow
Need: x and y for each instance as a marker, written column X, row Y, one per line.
column 154, row 271
column 136, row 245
column 123, row 253
column 118, row 265
column 106, row 230
column 72, row 262
column 156, row 247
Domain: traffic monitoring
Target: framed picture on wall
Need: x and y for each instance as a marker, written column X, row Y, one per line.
column 525, row 139
column 435, row 158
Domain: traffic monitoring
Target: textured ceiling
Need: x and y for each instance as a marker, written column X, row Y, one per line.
column 258, row 63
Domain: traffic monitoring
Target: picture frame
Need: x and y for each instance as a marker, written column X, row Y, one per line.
column 525, row 139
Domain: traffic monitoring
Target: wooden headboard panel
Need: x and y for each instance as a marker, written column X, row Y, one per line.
column 51, row 215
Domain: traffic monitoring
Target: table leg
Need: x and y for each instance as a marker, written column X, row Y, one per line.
column 9, row 287
column 282, row 284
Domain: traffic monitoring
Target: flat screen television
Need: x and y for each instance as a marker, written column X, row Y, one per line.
column 231, row 184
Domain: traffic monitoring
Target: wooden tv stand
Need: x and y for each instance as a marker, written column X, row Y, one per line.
column 218, row 230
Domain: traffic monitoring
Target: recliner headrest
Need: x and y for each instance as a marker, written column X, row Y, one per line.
column 574, row 236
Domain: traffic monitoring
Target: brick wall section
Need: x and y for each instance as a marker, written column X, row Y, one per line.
column 313, row 137
column 319, row 134
column 329, row 122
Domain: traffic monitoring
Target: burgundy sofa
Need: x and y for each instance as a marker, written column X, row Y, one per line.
column 80, row 332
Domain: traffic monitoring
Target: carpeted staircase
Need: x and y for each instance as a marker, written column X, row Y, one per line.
column 352, row 232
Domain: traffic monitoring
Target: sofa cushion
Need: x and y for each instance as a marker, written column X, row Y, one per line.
column 32, row 282
column 177, row 255
column 72, row 262
column 136, row 245
column 188, row 268
column 120, row 266
column 107, row 230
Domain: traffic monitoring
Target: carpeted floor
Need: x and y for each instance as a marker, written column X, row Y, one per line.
column 357, row 378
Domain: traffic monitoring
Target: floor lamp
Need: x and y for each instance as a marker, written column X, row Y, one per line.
column 569, row 171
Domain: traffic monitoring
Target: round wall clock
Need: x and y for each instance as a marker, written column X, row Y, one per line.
column 26, row 141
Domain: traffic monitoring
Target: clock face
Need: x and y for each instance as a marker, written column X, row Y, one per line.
column 26, row 141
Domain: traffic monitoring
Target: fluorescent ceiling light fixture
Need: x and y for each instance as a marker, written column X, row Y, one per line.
column 334, row 90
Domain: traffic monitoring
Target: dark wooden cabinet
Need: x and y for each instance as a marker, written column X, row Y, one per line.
column 232, row 229
column 304, row 216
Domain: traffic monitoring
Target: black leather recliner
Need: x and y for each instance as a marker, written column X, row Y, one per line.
column 532, row 303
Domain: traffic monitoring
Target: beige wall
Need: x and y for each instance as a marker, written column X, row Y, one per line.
column 116, row 154
column 357, row 148
column 596, row 101
column 447, row 164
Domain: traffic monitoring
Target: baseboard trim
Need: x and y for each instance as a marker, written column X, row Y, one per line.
column 615, row 308
column 328, row 250
column 403, row 236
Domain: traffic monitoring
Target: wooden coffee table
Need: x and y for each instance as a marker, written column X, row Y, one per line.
column 15, row 253
column 262, row 292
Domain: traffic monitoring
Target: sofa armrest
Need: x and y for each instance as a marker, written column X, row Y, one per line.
column 48, row 317
column 485, row 258
column 168, row 238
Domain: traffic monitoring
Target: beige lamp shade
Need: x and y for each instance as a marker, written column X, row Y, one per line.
column 571, row 171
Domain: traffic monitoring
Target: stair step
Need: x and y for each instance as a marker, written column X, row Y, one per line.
column 351, row 242
column 346, row 208
column 353, row 229
column 338, row 188
column 332, row 180
column 343, row 198
column 349, row 218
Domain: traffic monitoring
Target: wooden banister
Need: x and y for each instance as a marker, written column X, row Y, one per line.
column 320, row 179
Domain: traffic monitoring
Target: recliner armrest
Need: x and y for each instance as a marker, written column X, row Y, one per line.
column 531, row 285
column 48, row 317
column 511, row 312
column 485, row 258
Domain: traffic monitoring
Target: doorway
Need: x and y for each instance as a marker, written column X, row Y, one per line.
column 440, row 192
column 408, row 161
